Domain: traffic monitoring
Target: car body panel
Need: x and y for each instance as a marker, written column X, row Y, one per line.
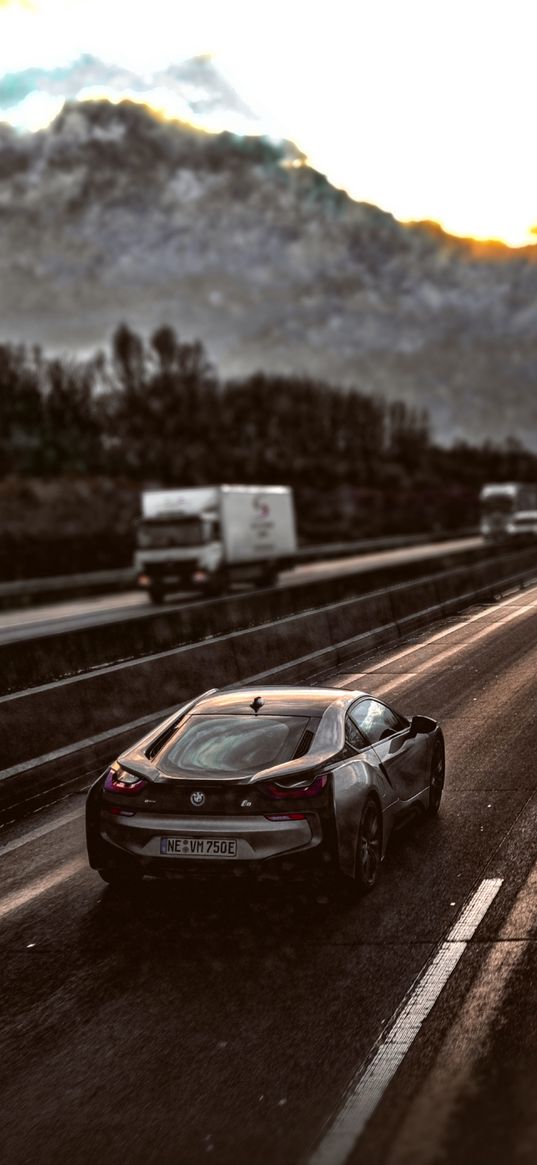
column 123, row 827
column 257, row 838
column 355, row 780
column 404, row 761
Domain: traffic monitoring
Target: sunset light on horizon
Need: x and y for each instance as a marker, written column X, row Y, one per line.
column 429, row 117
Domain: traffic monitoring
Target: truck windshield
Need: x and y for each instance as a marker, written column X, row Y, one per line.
column 497, row 504
column 170, row 532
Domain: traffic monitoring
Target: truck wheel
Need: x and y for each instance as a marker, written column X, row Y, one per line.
column 156, row 593
column 217, row 585
column 267, row 578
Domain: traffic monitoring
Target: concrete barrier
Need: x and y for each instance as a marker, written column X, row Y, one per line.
column 59, row 715
column 50, row 717
column 44, row 658
column 22, row 592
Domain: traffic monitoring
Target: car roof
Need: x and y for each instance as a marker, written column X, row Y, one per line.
column 328, row 704
column 276, row 701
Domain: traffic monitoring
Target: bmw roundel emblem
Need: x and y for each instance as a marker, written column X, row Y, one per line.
column 197, row 799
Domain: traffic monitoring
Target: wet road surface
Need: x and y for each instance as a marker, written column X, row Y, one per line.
column 230, row 1023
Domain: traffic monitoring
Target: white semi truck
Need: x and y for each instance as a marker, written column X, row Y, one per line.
column 508, row 511
column 208, row 537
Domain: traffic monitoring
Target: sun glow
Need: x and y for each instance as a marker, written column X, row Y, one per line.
column 424, row 111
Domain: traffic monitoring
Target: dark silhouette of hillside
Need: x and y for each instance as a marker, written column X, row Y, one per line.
column 79, row 439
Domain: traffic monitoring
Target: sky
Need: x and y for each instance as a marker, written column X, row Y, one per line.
column 423, row 107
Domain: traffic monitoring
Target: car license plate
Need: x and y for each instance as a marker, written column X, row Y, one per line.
column 198, row 847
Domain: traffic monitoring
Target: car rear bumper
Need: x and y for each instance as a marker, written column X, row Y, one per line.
column 257, row 838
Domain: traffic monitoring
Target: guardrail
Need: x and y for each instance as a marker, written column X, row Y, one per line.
column 65, row 586
column 44, row 657
column 94, row 711
column 24, row 591
column 391, row 542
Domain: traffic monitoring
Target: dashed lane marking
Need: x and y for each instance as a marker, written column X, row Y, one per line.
column 370, row 1084
column 446, row 631
column 429, row 1119
column 457, row 649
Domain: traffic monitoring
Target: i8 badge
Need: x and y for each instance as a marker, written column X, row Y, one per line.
column 197, row 799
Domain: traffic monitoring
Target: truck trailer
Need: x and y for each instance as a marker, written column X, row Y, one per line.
column 209, row 537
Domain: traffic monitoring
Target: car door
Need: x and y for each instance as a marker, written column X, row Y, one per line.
column 403, row 758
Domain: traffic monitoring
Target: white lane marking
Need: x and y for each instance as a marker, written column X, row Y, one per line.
column 21, row 898
column 461, row 623
column 40, row 832
column 468, row 921
column 368, row 1088
column 458, row 648
column 423, row 1132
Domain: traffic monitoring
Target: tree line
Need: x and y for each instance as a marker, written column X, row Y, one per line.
column 154, row 412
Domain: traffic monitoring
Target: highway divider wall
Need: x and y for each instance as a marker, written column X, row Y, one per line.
column 22, row 592
column 28, row 662
column 63, row 714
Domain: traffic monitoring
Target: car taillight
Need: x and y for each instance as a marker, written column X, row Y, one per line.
column 119, row 781
column 304, row 789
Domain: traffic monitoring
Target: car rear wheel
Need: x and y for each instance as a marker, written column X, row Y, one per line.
column 368, row 847
column 436, row 779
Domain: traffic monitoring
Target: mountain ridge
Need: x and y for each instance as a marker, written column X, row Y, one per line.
column 194, row 89
column 114, row 213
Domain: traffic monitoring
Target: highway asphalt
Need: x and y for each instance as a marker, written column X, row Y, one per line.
column 254, row 1025
column 25, row 623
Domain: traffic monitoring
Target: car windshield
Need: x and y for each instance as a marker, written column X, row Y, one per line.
column 236, row 744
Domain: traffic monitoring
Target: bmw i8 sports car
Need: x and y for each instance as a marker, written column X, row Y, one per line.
column 265, row 778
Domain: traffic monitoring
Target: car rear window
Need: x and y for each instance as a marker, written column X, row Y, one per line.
column 237, row 744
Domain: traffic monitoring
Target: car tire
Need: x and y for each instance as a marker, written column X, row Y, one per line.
column 368, row 847
column 119, row 879
column 436, row 778
column 156, row 594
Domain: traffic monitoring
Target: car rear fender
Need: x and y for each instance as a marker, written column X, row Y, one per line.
column 352, row 782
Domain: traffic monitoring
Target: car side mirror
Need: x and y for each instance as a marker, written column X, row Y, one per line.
column 420, row 724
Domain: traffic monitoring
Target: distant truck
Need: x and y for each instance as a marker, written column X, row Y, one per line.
column 508, row 510
column 211, row 536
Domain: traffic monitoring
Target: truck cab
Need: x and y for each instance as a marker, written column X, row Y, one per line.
column 209, row 537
